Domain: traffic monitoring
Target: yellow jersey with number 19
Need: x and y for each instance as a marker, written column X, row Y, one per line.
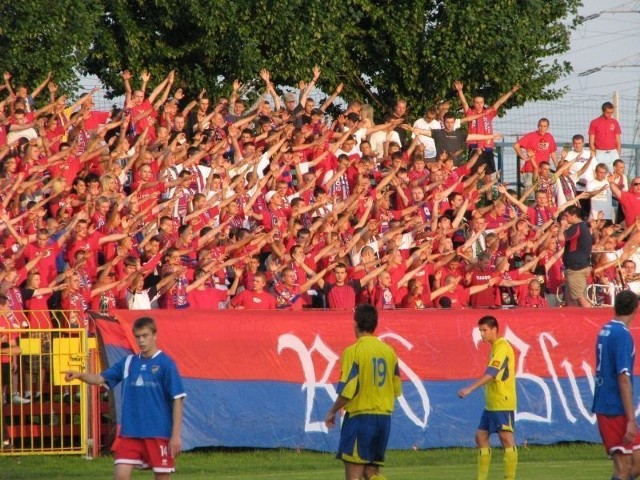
column 500, row 393
column 370, row 377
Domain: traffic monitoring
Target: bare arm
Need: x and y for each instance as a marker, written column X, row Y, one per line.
column 463, row 100
column 175, row 442
column 40, row 87
column 90, row 378
column 506, row 96
column 310, row 85
column 614, row 187
column 624, row 384
column 332, row 98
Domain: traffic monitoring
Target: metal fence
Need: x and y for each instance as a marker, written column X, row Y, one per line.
column 41, row 412
column 508, row 164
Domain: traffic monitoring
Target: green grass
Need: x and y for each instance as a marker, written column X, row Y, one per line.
column 573, row 461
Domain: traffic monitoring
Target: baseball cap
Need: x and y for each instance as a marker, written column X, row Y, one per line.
column 290, row 97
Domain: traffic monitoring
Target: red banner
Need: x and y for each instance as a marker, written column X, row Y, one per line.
column 286, row 365
column 251, row 345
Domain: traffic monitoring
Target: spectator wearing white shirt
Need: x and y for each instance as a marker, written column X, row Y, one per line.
column 601, row 200
column 582, row 170
column 428, row 122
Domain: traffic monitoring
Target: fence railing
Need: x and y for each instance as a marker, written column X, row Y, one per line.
column 508, row 164
column 42, row 413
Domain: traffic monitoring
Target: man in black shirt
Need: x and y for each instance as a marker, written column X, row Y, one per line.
column 452, row 141
column 577, row 256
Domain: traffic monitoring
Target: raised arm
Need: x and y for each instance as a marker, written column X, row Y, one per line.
column 503, row 190
column 164, row 90
column 266, row 76
column 614, row 187
column 7, row 77
column 310, row 85
column 329, row 101
column 126, row 81
column 40, row 87
column 463, row 100
column 506, row 96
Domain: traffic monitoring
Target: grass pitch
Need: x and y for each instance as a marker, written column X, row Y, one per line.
column 574, row 461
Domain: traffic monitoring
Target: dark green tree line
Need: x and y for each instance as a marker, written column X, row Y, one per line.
column 380, row 50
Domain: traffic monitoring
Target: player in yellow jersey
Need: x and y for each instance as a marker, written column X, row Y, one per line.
column 500, row 394
column 369, row 384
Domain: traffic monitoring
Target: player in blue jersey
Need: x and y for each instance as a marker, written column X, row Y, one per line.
column 369, row 385
column 500, row 397
column 151, row 413
column 613, row 396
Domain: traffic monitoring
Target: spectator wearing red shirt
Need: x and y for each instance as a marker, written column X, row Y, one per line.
column 455, row 296
column 379, row 292
column 35, row 299
column 538, row 146
column 274, row 217
column 257, row 298
column 74, row 304
column 413, row 298
column 90, row 243
column 605, row 137
column 497, row 216
column 48, row 250
column 143, row 110
column 630, row 200
column 541, row 212
column 290, row 294
column 341, row 295
column 202, row 296
column 533, row 299
column 176, row 296
column 481, row 273
column 9, row 349
column 484, row 124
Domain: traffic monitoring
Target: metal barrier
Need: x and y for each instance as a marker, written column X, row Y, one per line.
column 41, row 412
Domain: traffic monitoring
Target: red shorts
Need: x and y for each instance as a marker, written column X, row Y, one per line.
column 144, row 453
column 612, row 429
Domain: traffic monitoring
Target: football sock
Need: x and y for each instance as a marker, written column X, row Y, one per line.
column 510, row 463
column 484, row 461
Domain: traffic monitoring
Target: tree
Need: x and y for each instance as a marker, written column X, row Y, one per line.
column 38, row 37
column 212, row 43
column 380, row 50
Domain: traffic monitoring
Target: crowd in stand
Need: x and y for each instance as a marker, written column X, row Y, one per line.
column 172, row 203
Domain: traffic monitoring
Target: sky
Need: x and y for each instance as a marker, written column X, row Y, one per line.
column 608, row 42
column 605, row 55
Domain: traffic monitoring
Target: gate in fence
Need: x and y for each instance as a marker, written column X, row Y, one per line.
column 41, row 412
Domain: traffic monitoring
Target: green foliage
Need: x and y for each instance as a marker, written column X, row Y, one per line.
column 38, row 37
column 381, row 50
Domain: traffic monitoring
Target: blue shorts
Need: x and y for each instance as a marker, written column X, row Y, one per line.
column 497, row 421
column 364, row 438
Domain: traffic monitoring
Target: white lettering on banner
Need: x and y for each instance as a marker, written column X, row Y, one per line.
column 417, row 383
column 545, row 339
column 552, row 370
column 536, row 388
column 311, row 382
column 591, row 417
